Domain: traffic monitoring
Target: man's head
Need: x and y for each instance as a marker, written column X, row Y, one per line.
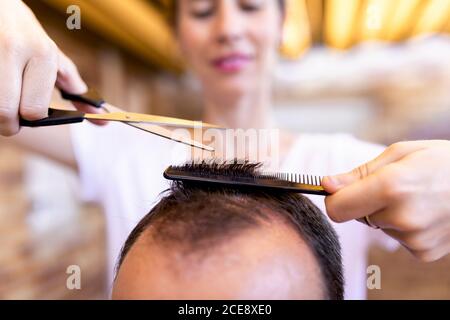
column 211, row 241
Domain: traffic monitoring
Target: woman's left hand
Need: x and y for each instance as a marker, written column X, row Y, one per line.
column 405, row 191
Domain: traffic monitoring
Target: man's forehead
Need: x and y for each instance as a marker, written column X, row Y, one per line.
column 266, row 258
column 269, row 234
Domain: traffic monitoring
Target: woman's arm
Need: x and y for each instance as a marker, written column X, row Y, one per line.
column 51, row 142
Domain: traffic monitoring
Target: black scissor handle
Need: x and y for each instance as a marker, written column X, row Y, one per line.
column 91, row 97
column 55, row 117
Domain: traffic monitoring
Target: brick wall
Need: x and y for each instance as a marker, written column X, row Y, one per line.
column 33, row 260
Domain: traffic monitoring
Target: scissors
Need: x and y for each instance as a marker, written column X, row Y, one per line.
column 146, row 122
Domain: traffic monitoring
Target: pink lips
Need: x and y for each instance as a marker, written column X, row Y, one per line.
column 231, row 63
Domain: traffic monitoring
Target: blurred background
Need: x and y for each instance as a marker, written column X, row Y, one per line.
column 379, row 69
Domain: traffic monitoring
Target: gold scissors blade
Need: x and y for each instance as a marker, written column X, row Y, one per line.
column 157, row 130
column 148, row 118
column 165, row 133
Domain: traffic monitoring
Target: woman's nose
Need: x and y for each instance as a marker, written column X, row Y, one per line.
column 229, row 26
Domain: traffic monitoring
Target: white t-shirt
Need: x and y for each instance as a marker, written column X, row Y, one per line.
column 121, row 168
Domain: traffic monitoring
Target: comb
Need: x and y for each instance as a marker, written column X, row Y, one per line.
column 292, row 182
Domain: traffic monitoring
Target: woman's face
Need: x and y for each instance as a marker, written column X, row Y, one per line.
column 231, row 45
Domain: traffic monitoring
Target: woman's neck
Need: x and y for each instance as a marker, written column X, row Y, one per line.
column 246, row 111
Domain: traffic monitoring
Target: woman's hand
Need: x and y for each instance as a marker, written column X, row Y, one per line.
column 30, row 64
column 405, row 191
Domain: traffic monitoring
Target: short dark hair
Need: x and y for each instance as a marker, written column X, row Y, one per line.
column 199, row 214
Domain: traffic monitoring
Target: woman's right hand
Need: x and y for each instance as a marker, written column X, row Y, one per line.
column 30, row 66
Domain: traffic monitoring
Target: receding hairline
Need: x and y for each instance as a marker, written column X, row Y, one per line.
column 274, row 244
column 268, row 215
column 164, row 231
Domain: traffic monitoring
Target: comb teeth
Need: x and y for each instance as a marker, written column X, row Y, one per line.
column 293, row 177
